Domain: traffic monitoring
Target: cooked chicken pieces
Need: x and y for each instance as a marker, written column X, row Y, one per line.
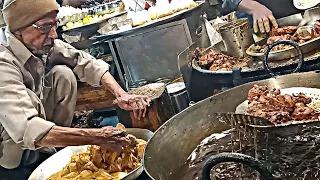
column 215, row 61
column 277, row 108
column 288, row 33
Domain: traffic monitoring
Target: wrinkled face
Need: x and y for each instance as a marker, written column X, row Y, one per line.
column 39, row 37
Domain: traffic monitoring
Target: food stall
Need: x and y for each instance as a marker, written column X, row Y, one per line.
column 236, row 70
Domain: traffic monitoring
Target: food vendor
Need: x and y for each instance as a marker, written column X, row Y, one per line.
column 39, row 87
column 262, row 13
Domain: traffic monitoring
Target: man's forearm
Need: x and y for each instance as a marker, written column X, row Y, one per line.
column 111, row 84
column 62, row 136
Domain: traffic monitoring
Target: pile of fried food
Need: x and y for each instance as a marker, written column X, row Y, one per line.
column 97, row 163
column 215, row 61
column 288, row 33
column 279, row 109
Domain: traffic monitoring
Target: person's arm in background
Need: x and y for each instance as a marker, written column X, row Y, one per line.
column 262, row 16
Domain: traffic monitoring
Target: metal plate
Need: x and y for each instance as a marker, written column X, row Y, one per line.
column 59, row 160
column 300, row 4
column 156, row 89
column 286, row 53
column 99, row 22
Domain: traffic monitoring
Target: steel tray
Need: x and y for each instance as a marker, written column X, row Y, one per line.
column 286, row 53
column 151, row 24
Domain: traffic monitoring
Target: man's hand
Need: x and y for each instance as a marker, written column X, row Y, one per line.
column 262, row 16
column 113, row 139
column 137, row 104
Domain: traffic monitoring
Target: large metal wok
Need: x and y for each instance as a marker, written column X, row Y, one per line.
column 173, row 142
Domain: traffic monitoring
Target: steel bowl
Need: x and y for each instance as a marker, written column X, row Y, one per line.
column 59, row 160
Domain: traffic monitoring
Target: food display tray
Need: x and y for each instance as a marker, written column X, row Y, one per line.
column 151, row 24
column 286, row 53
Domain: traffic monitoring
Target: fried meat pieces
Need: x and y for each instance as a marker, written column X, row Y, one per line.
column 288, row 33
column 277, row 108
column 215, row 61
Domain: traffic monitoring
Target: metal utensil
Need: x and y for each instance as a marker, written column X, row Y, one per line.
column 242, row 119
column 237, row 36
column 293, row 20
column 155, row 89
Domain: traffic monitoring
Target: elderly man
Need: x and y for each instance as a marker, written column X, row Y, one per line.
column 38, row 86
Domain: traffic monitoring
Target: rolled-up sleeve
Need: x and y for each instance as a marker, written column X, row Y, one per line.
column 18, row 115
column 87, row 68
column 230, row 5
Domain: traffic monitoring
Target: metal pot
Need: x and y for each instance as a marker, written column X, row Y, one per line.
column 237, row 37
column 182, row 134
column 178, row 96
column 202, row 83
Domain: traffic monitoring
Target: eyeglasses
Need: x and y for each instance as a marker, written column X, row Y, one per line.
column 45, row 29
